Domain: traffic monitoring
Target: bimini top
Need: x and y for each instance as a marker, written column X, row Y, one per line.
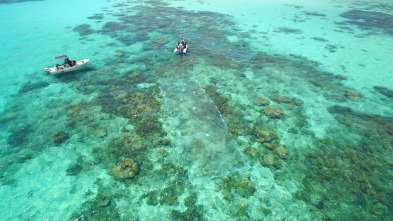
column 61, row 56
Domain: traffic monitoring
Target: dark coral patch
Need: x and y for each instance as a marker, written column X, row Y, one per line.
column 287, row 30
column 147, row 126
column 83, row 29
column 60, row 137
column 385, row 91
column 33, row 86
column 98, row 16
column 314, row 14
column 19, row 136
column 370, row 19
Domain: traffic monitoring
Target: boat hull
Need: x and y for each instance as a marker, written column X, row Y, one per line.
column 78, row 65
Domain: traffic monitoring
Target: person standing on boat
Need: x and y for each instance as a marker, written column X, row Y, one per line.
column 69, row 63
column 66, row 62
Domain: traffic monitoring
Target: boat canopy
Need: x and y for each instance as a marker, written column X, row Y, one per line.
column 61, row 56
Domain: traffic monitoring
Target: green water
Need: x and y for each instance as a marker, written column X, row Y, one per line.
column 280, row 110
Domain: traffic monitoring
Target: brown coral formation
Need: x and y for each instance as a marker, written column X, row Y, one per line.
column 353, row 95
column 264, row 135
column 287, row 100
column 281, row 151
column 125, row 169
column 273, row 111
column 261, row 101
column 60, row 137
column 281, row 99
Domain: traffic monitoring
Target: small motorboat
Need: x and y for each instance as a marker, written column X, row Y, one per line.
column 181, row 48
column 57, row 69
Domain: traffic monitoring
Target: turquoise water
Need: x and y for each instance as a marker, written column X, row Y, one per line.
column 281, row 110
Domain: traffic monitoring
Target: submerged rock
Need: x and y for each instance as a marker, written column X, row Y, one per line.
column 125, row 169
column 273, row 111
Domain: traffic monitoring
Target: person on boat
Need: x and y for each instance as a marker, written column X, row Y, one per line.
column 66, row 62
column 180, row 46
column 72, row 63
column 56, row 67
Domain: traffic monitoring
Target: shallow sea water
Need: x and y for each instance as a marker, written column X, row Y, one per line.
column 281, row 110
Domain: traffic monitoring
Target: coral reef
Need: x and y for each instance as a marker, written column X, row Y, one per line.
column 369, row 19
column 193, row 211
column 281, row 99
column 281, row 151
column 261, row 101
column 83, row 29
column 264, row 135
column 353, row 95
column 76, row 167
column 273, row 111
column 125, row 169
column 19, row 136
column 147, row 126
column 285, row 99
column 234, row 184
column 289, row 30
column 338, row 174
column 268, row 159
column 102, row 207
column 385, row 91
column 60, row 137
column 33, row 86
column 355, row 170
column 160, row 41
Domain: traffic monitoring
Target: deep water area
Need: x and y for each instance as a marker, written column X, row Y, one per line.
column 280, row 110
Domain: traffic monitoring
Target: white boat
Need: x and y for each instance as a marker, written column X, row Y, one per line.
column 183, row 51
column 66, row 68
